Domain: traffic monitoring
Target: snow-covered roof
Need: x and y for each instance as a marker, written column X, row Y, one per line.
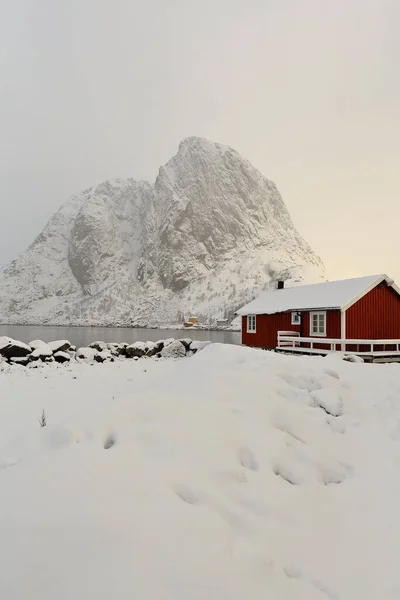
column 328, row 295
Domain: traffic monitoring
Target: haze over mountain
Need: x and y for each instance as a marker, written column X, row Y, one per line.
column 206, row 238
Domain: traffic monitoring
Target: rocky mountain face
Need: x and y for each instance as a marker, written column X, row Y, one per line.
column 206, row 238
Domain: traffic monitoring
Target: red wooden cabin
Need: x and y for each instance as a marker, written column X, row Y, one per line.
column 359, row 310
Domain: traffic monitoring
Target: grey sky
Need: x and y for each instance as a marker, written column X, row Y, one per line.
column 307, row 90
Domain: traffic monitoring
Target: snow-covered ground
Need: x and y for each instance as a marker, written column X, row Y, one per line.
column 235, row 474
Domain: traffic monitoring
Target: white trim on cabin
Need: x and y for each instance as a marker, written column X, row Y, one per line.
column 251, row 323
column 296, row 318
column 318, row 333
column 389, row 282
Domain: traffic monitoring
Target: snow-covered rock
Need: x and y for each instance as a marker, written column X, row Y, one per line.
column 35, row 344
column 87, row 353
column 62, row 357
column 59, row 345
column 100, row 346
column 13, row 348
column 42, row 351
column 206, row 238
column 174, row 350
column 137, row 349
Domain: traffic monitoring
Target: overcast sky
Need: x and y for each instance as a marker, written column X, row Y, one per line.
column 307, row 90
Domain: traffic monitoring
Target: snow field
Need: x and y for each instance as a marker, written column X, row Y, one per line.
column 234, row 474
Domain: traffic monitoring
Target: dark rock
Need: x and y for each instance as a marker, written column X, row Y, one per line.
column 62, row 357
column 137, row 349
column 99, row 346
column 13, row 348
column 186, row 342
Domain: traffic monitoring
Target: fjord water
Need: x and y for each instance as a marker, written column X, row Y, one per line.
column 82, row 336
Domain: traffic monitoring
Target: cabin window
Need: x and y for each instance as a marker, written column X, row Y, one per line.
column 251, row 323
column 318, row 323
column 296, row 318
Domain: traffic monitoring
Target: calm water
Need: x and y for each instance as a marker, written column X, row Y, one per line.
column 82, row 336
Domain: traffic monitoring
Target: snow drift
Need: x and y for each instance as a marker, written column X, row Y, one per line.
column 206, row 238
column 233, row 474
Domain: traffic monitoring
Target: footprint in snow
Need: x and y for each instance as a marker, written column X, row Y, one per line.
column 247, row 459
column 109, row 442
column 187, row 494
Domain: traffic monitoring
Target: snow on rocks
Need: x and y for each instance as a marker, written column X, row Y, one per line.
column 62, row 357
column 62, row 351
column 86, row 353
column 13, row 348
column 59, row 345
column 137, row 349
column 173, row 350
column 42, row 351
column 37, row 344
column 99, row 346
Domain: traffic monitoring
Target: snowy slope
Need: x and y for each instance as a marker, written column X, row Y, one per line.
column 234, row 474
column 206, row 238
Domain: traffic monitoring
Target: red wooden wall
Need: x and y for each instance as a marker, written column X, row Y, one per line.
column 375, row 316
column 267, row 327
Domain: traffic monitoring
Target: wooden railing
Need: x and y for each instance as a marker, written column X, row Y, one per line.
column 291, row 341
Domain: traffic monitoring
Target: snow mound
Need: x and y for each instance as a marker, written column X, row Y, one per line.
column 235, row 474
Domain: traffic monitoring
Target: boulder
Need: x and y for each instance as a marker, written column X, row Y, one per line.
column 13, row 348
column 113, row 347
column 104, row 356
column 99, row 346
column 186, row 342
column 151, row 349
column 36, row 344
column 42, row 352
column 62, row 357
column 86, row 353
column 137, row 349
column 159, row 345
column 121, row 350
column 174, row 350
column 59, row 346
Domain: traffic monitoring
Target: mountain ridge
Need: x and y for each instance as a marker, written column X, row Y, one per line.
column 207, row 236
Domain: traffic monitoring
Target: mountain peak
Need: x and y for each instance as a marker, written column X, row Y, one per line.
column 207, row 237
column 200, row 144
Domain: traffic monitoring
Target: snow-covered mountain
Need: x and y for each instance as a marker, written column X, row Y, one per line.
column 206, row 238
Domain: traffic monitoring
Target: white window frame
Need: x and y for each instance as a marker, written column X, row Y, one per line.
column 251, row 324
column 312, row 314
column 296, row 318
